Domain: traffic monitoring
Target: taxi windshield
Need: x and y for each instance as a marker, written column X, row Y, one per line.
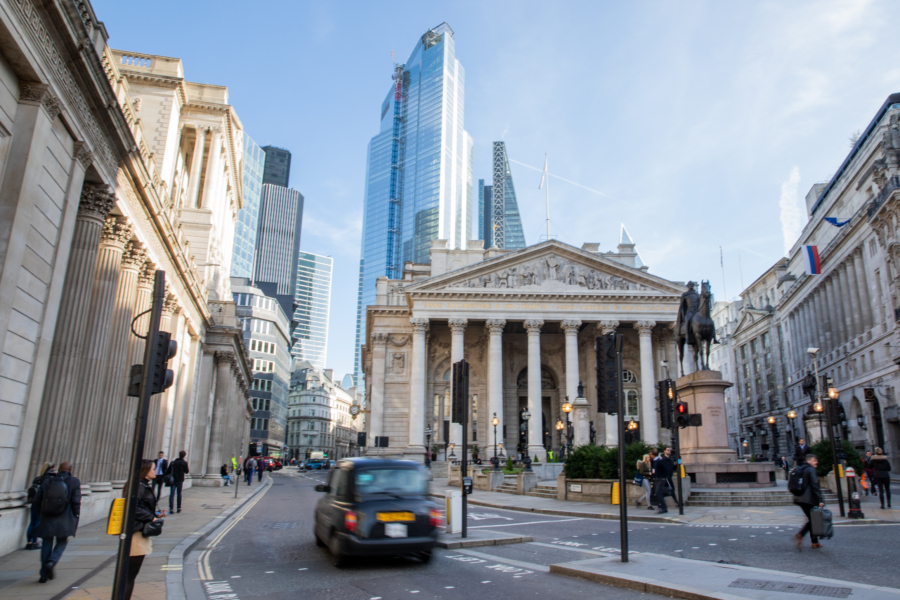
column 388, row 480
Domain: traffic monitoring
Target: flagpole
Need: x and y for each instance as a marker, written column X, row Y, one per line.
column 547, row 195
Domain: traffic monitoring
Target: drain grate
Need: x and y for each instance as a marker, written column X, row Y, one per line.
column 793, row 588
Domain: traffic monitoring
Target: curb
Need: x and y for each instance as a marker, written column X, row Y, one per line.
column 175, row 589
column 457, row 544
column 642, row 584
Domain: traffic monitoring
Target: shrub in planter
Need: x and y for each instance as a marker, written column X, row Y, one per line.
column 822, row 450
column 602, row 462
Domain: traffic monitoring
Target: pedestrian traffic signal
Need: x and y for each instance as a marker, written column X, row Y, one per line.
column 607, row 375
column 166, row 348
column 666, row 395
column 682, row 418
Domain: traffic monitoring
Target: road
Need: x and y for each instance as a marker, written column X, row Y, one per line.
column 270, row 553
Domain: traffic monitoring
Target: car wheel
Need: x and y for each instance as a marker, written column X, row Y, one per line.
column 425, row 556
column 338, row 559
column 319, row 542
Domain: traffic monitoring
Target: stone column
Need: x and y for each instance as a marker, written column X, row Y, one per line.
column 457, row 353
column 376, row 410
column 213, row 163
column 203, row 404
column 824, row 317
column 611, row 421
column 193, row 197
column 815, row 323
column 795, row 344
column 55, row 430
column 649, row 420
column 809, row 335
column 535, row 402
column 416, row 444
column 216, row 455
column 841, row 302
column 495, row 378
column 572, row 378
column 819, row 318
column 848, row 279
column 836, row 325
column 864, row 299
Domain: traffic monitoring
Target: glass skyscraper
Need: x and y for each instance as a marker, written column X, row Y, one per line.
column 499, row 221
column 419, row 167
column 312, row 301
column 277, row 168
column 248, row 216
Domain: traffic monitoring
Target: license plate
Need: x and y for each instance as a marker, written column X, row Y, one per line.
column 390, row 517
column 395, row 530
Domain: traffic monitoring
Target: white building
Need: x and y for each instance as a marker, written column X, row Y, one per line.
column 312, row 305
column 721, row 358
column 319, row 418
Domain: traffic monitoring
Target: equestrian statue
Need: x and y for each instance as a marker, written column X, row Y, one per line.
column 695, row 326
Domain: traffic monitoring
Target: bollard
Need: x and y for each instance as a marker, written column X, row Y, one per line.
column 454, row 512
column 615, row 493
column 854, row 510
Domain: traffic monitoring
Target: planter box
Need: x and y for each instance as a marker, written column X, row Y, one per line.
column 599, row 491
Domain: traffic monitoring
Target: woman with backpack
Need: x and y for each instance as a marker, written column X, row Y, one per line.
column 48, row 470
column 144, row 513
column 881, row 467
column 59, row 502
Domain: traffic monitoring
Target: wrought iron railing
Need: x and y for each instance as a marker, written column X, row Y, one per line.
column 892, row 184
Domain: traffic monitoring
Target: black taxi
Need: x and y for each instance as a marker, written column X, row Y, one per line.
column 376, row 507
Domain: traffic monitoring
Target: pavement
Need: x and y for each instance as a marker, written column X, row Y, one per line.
column 87, row 567
column 698, row 515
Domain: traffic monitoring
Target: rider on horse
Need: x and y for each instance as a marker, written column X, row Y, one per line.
column 690, row 304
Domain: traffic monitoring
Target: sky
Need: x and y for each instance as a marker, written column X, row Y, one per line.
column 697, row 125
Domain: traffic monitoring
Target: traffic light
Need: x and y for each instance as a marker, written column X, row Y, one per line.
column 666, row 394
column 460, row 400
column 607, row 375
column 163, row 377
column 682, row 418
column 361, row 439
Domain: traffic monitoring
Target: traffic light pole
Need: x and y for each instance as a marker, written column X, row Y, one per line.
column 834, row 460
column 623, row 496
column 140, row 432
column 677, row 443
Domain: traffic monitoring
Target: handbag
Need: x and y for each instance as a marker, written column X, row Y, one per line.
column 168, row 480
column 153, row 528
column 638, row 479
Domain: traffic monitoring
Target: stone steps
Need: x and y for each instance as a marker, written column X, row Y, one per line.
column 507, row 488
column 749, row 497
column 543, row 491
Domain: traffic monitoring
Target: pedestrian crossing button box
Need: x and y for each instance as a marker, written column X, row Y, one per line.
column 467, row 486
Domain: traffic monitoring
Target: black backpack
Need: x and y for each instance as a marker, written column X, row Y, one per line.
column 56, row 498
column 796, row 481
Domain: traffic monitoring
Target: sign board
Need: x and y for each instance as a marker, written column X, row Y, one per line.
column 575, row 487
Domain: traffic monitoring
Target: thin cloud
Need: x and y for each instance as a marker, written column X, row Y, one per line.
column 792, row 217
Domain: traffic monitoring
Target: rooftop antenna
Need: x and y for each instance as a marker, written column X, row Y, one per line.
column 545, row 176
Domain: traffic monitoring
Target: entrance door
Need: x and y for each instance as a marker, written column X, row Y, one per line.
column 879, row 424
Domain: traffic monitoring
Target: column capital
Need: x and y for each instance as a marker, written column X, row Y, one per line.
column 379, row 340
column 534, row 326
column 83, row 154
column 495, row 326
column 116, row 232
column 224, row 357
column 645, row 327
column 419, row 325
column 571, row 326
column 96, row 201
column 134, row 256
column 458, row 325
column 170, row 304
column 146, row 276
column 606, row 327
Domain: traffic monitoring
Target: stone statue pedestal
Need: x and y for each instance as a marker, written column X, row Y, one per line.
column 582, row 423
column 705, row 453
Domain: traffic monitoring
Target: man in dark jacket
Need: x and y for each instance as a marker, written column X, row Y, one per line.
column 162, row 466
column 800, row 451
column 809, row 499
column 663, row 468
column 178, row 469
column 60, row 526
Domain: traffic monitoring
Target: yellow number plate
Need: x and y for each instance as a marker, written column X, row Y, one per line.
column 388, row 517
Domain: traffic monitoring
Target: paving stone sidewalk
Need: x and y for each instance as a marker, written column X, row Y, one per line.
column 87, row 566
column 695, row 515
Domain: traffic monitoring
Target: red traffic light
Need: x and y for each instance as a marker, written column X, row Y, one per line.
column 682, row 418
column 681, row 407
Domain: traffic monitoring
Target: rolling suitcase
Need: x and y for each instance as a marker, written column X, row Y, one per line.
column 820, row 523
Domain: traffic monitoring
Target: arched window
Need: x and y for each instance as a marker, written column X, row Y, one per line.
column 628, row 377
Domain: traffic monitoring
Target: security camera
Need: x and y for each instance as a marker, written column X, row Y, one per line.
column 812, row 351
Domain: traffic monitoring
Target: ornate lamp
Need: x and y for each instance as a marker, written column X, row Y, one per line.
column 632, row 425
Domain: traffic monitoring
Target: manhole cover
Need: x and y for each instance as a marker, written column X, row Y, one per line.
column 793, row 588
column 278, row 526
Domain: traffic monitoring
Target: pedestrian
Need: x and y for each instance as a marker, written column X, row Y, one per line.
column 800, row 451
column 881, row 467
column 144, row 512
column 249, row 467
column 178, row 469
column 654, row 456
column 662, row 471
column 48, row 470
column 225, row 476
column 870, row 473
column 261, row 465
column 809, row 499
column 59, row 502
column 785, row 466
column 643, row 468
column 234, row 463
column 162, row 465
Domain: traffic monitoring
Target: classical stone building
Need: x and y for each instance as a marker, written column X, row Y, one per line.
column 99, row 184
column 721, row 358
column 319, row 418
column 526, row 321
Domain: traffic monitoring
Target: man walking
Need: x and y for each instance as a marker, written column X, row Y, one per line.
column 162, row 465
column 178, row 469
column 800, row 451
column 59, row 502
column 249, row 467
column 809, row 499
column 662, row 472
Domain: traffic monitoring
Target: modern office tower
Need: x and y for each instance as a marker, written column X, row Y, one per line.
column 278, row 243
column 248, row 217
column 499, row 221
column 312, row 301
column 419, row 168
column 277, row 170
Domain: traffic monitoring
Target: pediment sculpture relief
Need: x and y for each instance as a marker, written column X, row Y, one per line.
column 550, row 272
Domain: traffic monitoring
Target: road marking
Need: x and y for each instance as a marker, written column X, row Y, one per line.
column 508, row 561
column 270, row 571
column 449, row 587
column 528, row 523
column 583, row 550
column 483, row 516
column 485, row 582
column 732, row 539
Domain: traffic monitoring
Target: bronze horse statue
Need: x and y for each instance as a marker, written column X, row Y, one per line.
column 696, row 328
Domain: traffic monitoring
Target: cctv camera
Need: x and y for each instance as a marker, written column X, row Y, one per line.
column 812, row 351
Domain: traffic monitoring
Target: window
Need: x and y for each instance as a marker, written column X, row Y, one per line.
column 753, row 346
column 312, row 412
column 744, row 352
column 768, row 360
column 872, row 247
column 311, row 426
column 765, row 340
column 628, row 376
column 631, row 406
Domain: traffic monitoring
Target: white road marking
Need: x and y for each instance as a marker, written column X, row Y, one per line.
column 528, row 523
column 732, row 539
column 679, row 551
column 485, row 582
column 270, row 571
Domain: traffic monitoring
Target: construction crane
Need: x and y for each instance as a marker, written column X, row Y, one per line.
column 391, row 268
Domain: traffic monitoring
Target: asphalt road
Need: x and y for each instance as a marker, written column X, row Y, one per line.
column 270, row 553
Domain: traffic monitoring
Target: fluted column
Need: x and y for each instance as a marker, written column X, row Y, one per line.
column 159, row 404
column 376, row 410
column 203, row 406
column 213, row 165
column 495, row 376
column 865, row 300
column 193, row 197
column 808, row 327
column 457, row 353
column 219, row 423
column 53, row 441
column 417, row 387
column 843, row 303
column 795, row 343
column 113, row 394
column 572, row 376
column 649, row 420
column 535, row 402
column 610, row 421
column 824, row 317
column 851, row 297
column 836, row 325
column 819, row 319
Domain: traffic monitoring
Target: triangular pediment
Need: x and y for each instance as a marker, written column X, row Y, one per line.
column 751, row 316
column 551, row 267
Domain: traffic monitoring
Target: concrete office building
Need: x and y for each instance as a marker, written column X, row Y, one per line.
column 312, row 303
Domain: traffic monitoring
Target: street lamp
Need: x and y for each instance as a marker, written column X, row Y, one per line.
column 567, row 408
column 791, row 415
column 559, row 429
column 833, row 395
column 632, row 425
column 500, row 451
column 527, row 460
column 452, row 445
column 428, row 432
column 495, row 421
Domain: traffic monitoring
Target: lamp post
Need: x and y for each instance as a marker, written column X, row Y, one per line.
column 527, row 460
column 559, row 432
column 819, row 408
column 567, row 408
column 791, row 415
column 428, row 432
column 771, row 420
column 495, row 421
column 452, row 455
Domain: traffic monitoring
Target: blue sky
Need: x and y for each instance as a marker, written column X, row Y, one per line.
column 696, row 124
